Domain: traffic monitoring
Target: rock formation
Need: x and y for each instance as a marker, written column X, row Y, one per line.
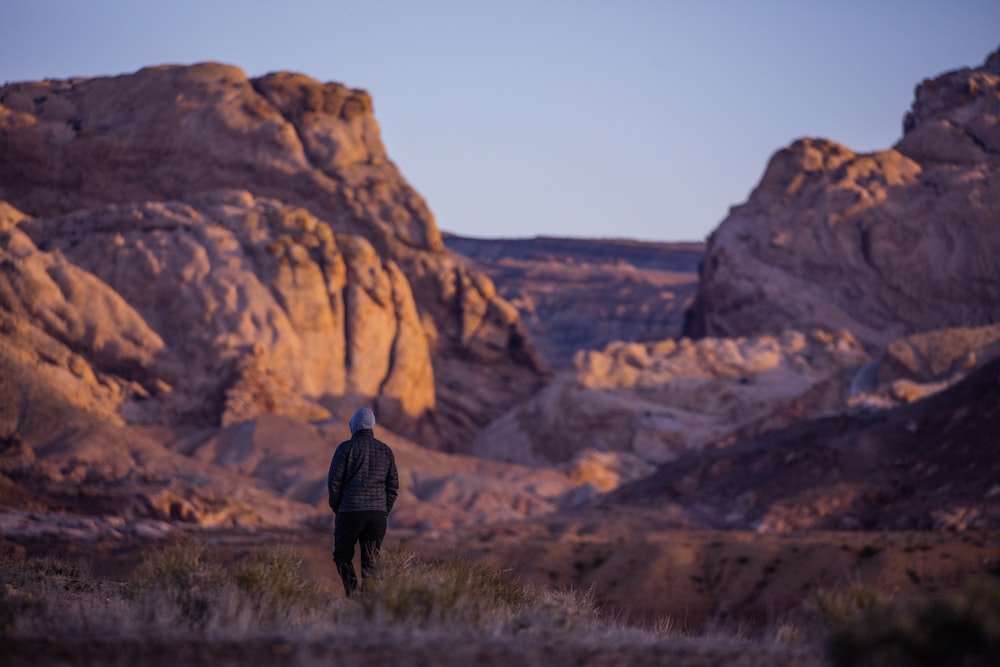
column 240, row 287
column 202, row 275
column 263, row 250
column 652, row 402
column 883, row 244
column 65, row 332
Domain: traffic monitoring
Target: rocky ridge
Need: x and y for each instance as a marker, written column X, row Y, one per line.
column 829, row 241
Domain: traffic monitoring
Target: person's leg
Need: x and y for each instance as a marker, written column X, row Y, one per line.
column 346, row 530
column 371, row 537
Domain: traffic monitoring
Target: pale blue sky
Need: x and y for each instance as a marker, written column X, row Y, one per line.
column 626, row 118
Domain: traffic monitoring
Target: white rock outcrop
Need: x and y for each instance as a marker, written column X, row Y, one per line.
column 652, row 402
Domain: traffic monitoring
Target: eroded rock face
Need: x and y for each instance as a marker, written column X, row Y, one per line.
column 940, row 355
column 266, row 236
column 922, row 364
column 259, row 300
column 882, row 244
column 63, row 330
column 169, row 132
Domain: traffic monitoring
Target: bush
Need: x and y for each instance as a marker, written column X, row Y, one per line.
column 961, row 630
column 839, row 607
column 440, row 591
column 185, row 577
column 266, row 587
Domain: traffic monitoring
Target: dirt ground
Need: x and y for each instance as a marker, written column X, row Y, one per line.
column 640, row 573
column 709, row 589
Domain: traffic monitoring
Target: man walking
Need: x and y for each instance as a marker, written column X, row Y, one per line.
column 363, row 484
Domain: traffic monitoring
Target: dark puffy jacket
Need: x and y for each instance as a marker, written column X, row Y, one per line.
column 363, row 475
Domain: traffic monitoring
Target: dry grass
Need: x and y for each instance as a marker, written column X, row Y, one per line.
column 432, row 592
column 184, row 598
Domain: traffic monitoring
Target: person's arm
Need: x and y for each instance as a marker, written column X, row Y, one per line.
column 335, row 478
column 391, row 483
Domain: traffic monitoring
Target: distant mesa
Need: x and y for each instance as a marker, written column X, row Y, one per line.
column 583, row 294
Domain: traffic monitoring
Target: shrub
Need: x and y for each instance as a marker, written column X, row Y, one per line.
column 275, row 582
column 963, row 629
column 189, row 581
column 266, row 587
column 838, row 607
column 441, row 591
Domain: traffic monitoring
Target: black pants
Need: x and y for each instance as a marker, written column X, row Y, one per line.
column 349, row 529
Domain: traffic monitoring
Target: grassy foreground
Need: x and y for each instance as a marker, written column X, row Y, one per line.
column 183, row 606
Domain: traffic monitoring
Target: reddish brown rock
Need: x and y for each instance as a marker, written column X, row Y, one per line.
column 64, row 331
column 261, row 301
column 933, row 465
column 350, row 283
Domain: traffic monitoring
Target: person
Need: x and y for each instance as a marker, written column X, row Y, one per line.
column 363, row 484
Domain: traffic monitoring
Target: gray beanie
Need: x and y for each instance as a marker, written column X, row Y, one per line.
column 362, row 419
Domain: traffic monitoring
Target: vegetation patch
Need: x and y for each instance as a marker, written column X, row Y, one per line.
column 960, row 629
column 263, row 600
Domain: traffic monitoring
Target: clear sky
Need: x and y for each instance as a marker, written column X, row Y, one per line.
column 621, row 118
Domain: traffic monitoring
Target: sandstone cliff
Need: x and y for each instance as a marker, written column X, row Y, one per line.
column 256, row 234
column 252, row 291
column 882, row 244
